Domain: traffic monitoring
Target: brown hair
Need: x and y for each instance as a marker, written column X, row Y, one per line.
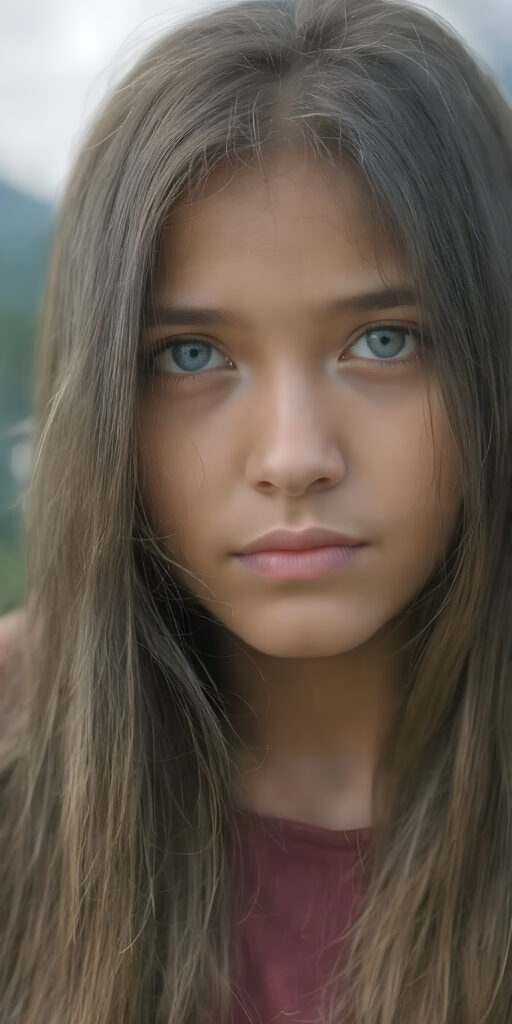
column 116, row 900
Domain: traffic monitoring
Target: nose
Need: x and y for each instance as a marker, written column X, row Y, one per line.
column 294, row 437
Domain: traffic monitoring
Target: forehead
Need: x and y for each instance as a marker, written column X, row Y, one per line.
column 294, row 216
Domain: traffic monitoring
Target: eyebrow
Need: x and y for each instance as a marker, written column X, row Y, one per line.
column 381, row 298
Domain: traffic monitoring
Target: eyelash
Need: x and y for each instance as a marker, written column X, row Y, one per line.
column 168, row 343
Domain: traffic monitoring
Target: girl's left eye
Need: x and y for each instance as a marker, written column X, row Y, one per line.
column 184, row 358
column 390, row 344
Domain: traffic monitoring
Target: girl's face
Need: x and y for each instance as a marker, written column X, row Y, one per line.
column 288, row 412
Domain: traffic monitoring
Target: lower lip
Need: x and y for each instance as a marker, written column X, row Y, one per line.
column 300, row 565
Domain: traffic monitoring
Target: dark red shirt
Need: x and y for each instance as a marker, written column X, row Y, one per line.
column 301, row 885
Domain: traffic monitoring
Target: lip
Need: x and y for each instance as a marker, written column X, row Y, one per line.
column 301, row 565
column 300, row 540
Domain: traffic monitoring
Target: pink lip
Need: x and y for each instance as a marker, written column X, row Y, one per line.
column 302, row 565
column 300, row 540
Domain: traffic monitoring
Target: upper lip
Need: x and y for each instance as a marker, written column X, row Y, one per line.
column 299, row 540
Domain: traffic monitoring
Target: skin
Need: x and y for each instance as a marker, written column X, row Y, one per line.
column 293, row 424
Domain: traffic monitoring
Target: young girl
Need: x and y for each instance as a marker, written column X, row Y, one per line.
column 258, row 744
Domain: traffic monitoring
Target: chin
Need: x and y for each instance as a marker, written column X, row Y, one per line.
column 304, row 643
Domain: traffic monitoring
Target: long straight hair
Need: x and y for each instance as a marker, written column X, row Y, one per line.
column 117, row 903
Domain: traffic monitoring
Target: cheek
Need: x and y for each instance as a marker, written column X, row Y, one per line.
column 173, row 480
column 420, row 483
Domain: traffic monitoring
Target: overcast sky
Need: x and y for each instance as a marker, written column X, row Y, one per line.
column 59, row 57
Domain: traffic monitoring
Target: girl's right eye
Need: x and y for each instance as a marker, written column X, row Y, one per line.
column 187, row 356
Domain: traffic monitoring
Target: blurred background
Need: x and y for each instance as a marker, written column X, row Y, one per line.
column 58, row 58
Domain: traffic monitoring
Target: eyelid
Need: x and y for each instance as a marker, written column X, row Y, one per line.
column 415, row 330
column 148, row 358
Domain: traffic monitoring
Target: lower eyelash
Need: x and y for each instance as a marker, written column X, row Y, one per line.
column 388, row 362
column 366, row 362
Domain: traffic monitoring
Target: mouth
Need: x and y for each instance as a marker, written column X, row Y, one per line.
column 305, row 564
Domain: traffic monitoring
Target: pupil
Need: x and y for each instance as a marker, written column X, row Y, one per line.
column 385, row 339
column 192, row 352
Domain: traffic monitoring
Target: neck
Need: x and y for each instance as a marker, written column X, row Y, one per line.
column 309, row 732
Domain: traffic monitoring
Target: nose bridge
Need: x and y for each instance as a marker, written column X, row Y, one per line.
column 292, row 404
column 292, row 440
